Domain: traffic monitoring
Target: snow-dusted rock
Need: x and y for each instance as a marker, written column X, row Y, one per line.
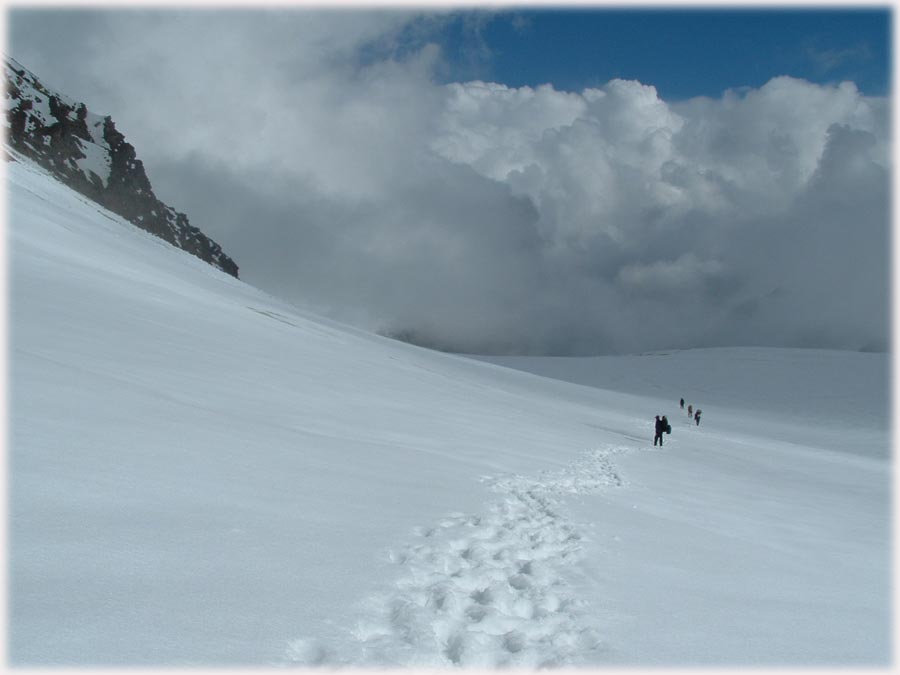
column 88, row 153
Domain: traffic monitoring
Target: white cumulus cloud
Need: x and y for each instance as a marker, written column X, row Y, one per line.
column 484, row 217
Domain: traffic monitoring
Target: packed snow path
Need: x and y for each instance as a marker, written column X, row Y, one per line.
column 485, row 590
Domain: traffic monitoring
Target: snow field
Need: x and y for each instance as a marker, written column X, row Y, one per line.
column 202, row 475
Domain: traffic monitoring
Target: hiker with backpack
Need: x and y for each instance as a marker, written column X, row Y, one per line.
column 660, row 428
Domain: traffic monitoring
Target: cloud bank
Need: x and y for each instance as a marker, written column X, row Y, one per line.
column 329, row 161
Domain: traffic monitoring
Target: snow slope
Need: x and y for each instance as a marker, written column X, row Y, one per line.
column 836, row 400
column 200, row 474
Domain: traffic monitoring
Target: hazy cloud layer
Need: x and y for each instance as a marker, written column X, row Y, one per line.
column 485, row 218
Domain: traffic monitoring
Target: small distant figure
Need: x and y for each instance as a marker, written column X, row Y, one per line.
column 681, row 403
column 659, row 429
column 697, row 417
column 690, row 410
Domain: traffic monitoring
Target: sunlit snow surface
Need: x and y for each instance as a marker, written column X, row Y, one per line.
column 200, row 474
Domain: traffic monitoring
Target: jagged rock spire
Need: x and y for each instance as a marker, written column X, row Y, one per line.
column 86, row 152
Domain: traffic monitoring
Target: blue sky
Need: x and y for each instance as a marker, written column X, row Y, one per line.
column 683, row 52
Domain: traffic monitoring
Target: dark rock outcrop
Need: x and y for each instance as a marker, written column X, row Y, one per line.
column 87, row 153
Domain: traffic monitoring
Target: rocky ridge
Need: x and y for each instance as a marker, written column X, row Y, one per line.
column 86, row 152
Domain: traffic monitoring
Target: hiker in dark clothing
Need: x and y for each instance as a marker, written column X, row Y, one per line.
column 690, row 410
column 660, row 428
column 697, row 417
column 681, row 403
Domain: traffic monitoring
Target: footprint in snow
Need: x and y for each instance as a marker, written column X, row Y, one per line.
column 485, row 590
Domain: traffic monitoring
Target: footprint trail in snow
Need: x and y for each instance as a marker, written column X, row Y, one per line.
column 484, row 590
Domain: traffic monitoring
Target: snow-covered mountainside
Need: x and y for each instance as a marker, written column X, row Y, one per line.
column 202, row 475
column 86, row 152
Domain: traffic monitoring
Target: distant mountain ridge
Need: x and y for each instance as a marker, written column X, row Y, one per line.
column 87, row 153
